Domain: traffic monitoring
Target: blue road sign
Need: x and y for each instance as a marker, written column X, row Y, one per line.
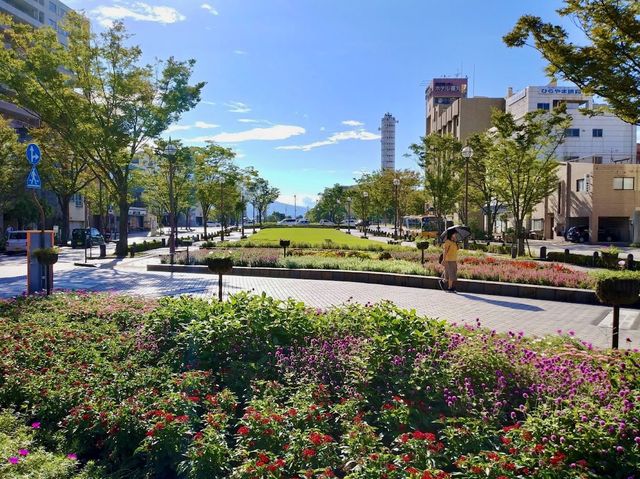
column 33, row 180
column 33, row 154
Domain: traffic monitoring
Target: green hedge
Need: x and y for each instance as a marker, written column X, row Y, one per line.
column 145, row 246
column 584, row 260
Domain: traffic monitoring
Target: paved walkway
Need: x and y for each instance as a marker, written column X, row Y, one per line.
column 533, row 317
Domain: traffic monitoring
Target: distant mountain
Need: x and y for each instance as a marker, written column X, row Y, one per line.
column 283, row 208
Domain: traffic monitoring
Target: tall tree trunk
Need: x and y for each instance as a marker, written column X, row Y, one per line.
column 123, row 225
column 519, row 236
column 64, row 200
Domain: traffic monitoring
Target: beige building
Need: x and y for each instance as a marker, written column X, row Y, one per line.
column 466, row 116
column 604, row 197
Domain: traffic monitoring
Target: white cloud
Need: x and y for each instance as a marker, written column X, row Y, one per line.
column 209, row 8
column 275, row 132
column 211, row 103
column 198, row 124
column 248, row 120
column 238, row 107
column 360, row 134
column 322, row 128
column 352, row 123
column 239, row 52
column 202, row 124
column 139, row 11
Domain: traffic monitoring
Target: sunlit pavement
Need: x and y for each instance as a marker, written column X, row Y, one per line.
column 533, row 317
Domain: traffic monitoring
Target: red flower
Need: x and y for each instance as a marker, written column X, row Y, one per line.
column 505, row 440
column 243, row 430
column 406, row 458
column 316, row 438
column 557, row 458
column 308, row 452
column 391, row 467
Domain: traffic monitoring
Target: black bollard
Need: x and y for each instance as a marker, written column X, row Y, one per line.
column 543, row 252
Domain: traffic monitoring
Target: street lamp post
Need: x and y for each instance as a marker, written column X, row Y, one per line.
column 467, row 153
column 348, row 215
column 242, row 195
column 170, row 151
column 365, row 220
column 396, row 184
column 221, row 209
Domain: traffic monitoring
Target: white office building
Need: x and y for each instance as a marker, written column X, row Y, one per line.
column 603, row 138
column 39, row 13
column 388, row 142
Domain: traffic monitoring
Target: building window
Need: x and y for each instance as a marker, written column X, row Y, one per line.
column 77, row 200
column 597, row 133
column 597, row 160
column 53, row 24
column 623, row 183
column 537, row 225
column 572, row 132
column 543, row 106
column 581, row 185
column 53, row 8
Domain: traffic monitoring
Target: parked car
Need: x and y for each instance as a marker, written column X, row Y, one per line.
column 287, row 222
column 16, row 242
column 327, row 223
column 350, row 222
column 83, row 237
column 213, row 224
column 577, row 234
column 302, row 221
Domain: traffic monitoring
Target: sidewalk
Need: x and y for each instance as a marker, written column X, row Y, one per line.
column 533, row 317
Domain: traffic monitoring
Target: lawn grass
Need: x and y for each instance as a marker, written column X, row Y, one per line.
column 312, row 236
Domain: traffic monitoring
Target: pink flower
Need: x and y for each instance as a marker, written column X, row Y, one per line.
column 35, row 425
column 14, row 460
column 23, row 452
column 72, row 456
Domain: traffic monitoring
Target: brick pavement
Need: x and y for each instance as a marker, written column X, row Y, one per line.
column 533, row 317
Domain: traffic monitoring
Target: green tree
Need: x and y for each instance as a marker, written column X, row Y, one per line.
column 441, row 160
column 95, row 94
column 63, row 172
column 331, row 205
column 607, row 64
column 155, row 179
column 483, row 186
column 209, row 161
column 13, row 169
column 261, row 194
column 522, row 160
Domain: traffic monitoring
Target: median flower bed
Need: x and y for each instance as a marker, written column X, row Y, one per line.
column 473, row 266
column 259, row 388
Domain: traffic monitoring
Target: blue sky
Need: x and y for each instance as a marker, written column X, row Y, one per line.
column 298, row 87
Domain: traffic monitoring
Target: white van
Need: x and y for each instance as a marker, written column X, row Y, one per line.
column 287, row 221
column 16, row 242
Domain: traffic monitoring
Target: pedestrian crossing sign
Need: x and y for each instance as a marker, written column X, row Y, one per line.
column 33, row 180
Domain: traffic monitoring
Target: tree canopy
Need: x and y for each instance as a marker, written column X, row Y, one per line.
column 607, row 64
column 95, row 94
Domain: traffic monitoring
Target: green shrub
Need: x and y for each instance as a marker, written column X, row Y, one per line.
column 577, row 259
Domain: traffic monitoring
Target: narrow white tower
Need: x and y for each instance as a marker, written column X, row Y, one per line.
column 388, row 141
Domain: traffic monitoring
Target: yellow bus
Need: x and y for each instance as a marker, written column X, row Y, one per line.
column 425, row 226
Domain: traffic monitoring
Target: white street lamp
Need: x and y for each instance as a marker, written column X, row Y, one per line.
column 396, row 184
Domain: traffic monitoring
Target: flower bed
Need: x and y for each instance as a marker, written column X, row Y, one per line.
column 486, row 268
column 259, row 388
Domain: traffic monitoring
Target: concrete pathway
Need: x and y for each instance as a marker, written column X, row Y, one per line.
column 533, row 317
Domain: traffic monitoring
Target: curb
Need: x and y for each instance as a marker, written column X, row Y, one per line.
column 547, row 293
